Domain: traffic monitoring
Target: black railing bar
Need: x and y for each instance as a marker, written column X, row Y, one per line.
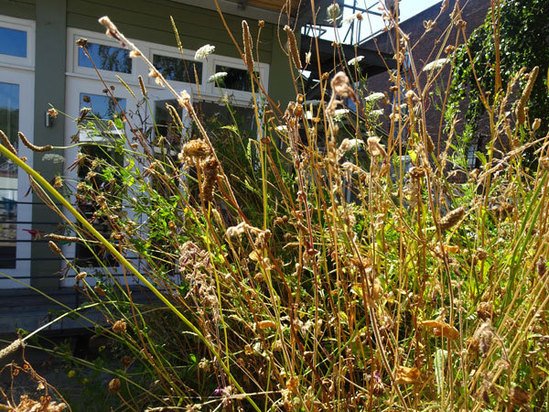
column 34, row 222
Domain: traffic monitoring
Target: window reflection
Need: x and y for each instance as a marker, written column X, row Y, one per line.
column 114, row 59
column 13, row 42
column 236, row 79
column 102, row 107
column 179, row 70
column 9, row 123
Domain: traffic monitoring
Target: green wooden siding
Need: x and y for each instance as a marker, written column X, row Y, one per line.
column 23, row 9
column 149, row 21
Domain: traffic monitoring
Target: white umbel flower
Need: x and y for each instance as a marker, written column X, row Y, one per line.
column 214, row 78
column 374, row 97
column 435, row 65
column 355, row 60
column 204, row 52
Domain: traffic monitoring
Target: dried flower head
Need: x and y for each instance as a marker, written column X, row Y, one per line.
column 334, row 12
column 196, row 149
column 119, row 326
column 452, row 218
column 375, row 147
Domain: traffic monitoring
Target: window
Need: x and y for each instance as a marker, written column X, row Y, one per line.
column 100, row 115
column 235, row 79
column 16, row 114
column 179, row 70
column 13, row 42
column 9, row 123
column 103, row 57
column 16, row 42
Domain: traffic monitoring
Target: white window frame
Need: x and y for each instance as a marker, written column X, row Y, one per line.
column 89, row 72
column 20, row 71
column 84, row 80
column 27, row 26
column 75, row 87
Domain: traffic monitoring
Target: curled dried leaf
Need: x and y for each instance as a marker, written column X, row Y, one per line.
column 440, row 328
column 265, row 324
column 406, row 375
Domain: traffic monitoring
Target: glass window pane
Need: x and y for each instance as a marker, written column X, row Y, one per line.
column 13, row 42
column 236, row 79
column 9, row 123
column 114, row 59
column 179, row 70
column 102, row 107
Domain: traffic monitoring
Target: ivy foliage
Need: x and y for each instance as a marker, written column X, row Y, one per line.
column 523, row 42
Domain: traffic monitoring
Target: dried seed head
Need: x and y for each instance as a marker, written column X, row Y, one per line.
column 292, row 46
column 6, row 142
column 33, row 147
column 196, row 149
column 119, row 326
column 81, row 276
column 142, row 86
column 54, row 248
column 520, row 111
column 114, row 385
column 248, row 47
column 452, row 218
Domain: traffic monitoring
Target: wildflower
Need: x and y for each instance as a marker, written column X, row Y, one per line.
column 379, row 112
column 339, row 113
column 308, row 58
column 204, row 52
column 374, row 97
column 214, row 78
column 54, row 158
column 355, row 60
column 435, row 65
column 281, row 128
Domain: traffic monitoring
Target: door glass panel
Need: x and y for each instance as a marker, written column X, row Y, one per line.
column 96, row 172
column 114, row 59
column 9, row 123
column 13, row 42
